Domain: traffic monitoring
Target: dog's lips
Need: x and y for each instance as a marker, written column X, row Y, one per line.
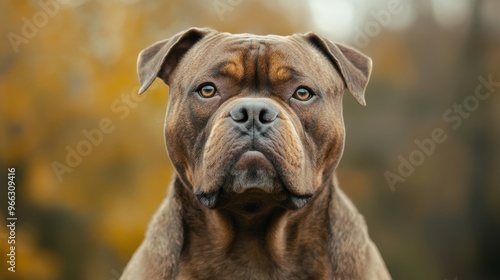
column 234, row 166
column 253, row 177
column 253, row 160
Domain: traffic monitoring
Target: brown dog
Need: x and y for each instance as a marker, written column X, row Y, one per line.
column 254, row 130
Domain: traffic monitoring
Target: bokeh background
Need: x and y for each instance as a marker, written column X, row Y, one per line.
column 68, row 65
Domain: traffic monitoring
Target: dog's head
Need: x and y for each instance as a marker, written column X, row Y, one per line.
column 254, row 117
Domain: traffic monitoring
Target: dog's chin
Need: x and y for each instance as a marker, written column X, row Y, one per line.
column 253, row 170
column 252, row 184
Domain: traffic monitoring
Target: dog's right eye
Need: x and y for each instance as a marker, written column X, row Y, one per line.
column 207, row 91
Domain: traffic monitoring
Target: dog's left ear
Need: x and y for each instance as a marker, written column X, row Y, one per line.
column 160, row 59
column 354, row 66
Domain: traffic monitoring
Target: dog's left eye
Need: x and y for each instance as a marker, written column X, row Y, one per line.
column 207, row 91
column 302, row 94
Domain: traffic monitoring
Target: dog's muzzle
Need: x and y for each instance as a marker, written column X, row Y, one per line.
column 254, row 151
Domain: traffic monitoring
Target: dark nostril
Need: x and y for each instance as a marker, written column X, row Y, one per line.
column 253, row 112
column 267, row 116
column 239, row 114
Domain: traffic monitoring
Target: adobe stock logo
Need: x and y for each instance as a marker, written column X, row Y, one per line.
column 31, row 26
column 454, row 116
column 381, row 19
column 223, row 6
column 122, row 107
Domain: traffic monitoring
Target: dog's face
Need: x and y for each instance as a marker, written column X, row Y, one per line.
column 254, row 119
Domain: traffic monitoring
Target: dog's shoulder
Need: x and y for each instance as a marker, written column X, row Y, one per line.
column 353, row 254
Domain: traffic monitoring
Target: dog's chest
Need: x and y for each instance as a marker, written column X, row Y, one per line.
column 252, row 262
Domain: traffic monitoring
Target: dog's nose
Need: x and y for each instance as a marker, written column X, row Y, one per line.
column 253, row 113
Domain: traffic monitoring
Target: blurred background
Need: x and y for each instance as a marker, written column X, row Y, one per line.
column 89, row 154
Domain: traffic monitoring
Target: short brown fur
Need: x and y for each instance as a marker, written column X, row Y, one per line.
column 298, row 224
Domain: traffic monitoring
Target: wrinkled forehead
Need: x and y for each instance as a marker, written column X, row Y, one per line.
column 264, row 58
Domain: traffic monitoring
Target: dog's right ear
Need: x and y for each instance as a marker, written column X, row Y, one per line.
column 159, row 59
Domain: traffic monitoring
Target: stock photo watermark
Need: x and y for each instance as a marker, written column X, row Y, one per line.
column 32, row 25
column 380, row 19
column 223, row 6
column 75, row 154
column 11, row 219
column 454, row 116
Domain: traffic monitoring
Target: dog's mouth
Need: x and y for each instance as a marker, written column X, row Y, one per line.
column 253, row 183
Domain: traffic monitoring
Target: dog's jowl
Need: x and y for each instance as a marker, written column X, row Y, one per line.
column 254, row 129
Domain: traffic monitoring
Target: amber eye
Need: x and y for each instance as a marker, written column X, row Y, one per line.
column 302, row 94
column 207, row 91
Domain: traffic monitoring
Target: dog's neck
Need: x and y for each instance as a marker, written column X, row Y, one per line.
column 268, row 237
